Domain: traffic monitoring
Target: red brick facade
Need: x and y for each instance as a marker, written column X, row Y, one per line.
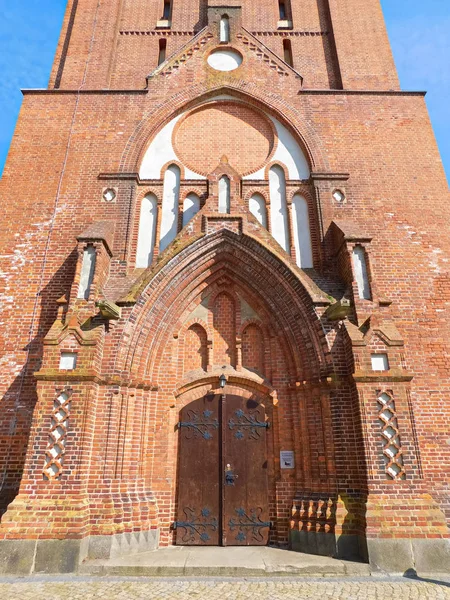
column 90, row 453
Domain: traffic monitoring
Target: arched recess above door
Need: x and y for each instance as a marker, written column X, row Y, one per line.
column 162, row 294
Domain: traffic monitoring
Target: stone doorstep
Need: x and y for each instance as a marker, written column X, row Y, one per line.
column 225, row 562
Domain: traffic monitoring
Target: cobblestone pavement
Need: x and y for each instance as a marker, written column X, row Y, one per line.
column 112, row 588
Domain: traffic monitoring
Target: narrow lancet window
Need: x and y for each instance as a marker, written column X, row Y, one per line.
column 224, row 195
column 162, row 51
column 287, row 53
column 171, row 193
column 282, row 10
column 87, row 273
column 302, row 234
column 360, row 270
column 257, row 206
column 147, row 231
column 278, row 207
column 191, row 206
column 225, row 29
column 167, row 11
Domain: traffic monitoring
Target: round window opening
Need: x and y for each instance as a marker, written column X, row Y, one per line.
column 225, row 59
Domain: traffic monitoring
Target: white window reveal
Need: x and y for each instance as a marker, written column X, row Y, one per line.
column 360, row 270
column 224, row 195
column 380, row 362
column 147, row 231
column 225, row 29
column 302, row 234
column 191, row 206
column 68, row 361
column 257, row 206
column 87, row 273
column 278, row 207
column 171, row 194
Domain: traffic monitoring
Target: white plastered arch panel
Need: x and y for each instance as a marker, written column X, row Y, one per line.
column 161, row 151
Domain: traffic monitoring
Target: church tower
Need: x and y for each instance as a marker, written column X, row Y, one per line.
column 225, row 291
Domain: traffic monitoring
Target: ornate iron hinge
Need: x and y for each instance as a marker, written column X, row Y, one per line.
column 199, row 426
column 197, row 524
column 247, row 422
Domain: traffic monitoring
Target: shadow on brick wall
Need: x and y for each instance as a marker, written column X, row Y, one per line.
column 18, row 402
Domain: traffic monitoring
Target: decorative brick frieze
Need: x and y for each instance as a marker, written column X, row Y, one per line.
column 56, row 449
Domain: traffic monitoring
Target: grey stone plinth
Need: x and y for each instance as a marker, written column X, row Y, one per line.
column 24, row 557
column 345, row 547
column 59, row 556
column 124, row 544
column 396, row 556
column 17, row 556
column 390, row 555
column 431, row 556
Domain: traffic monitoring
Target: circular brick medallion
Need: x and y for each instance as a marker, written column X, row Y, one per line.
column 246, row 137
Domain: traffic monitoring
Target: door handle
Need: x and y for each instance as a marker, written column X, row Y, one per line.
column 229, row 475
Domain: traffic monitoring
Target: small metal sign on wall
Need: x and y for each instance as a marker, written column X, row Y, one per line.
column 287, row 460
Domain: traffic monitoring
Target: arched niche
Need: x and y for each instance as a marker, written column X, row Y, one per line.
column 195, row 348
column 147, row 231
column 302, row 232
column 253, row 348
column 278, row 207
column 191, row 206
column 257, row 206
column 224, row 194
column 171, row 194
column 224, row 29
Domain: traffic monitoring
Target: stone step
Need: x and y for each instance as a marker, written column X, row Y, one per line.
column 225, row 562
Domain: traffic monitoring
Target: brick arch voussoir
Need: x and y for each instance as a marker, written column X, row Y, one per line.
column 253, row 298
column 254, row 95
column 161, row 303
column 290, row 350
column 192, row 282
column 237, row 384
column 153, row 325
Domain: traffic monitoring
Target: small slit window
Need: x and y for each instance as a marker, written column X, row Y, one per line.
column 360, row 271
column 162, row 51
column 224, row 29
column 287, row 52
column 282, row 10
column 224, row 195
column 167, row 10
column 87, row 273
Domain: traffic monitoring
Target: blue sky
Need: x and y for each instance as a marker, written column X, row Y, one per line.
column 418, row 32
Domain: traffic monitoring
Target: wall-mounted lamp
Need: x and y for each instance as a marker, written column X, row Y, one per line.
column 222, row 381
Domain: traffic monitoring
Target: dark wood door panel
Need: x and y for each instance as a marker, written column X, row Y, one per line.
column 245, row 497
column 222, row 473
column 199, row 517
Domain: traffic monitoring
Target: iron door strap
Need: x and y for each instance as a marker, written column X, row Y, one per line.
column 197, row 525
column 248, row 523
column 247, row 423
column 200, row 425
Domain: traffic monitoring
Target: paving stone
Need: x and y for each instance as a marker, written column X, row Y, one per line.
column 113, row 588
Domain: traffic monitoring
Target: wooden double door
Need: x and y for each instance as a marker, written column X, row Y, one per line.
column 222, row 473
